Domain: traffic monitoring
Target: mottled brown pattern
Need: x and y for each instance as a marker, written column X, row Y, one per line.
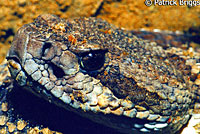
column 141, row 87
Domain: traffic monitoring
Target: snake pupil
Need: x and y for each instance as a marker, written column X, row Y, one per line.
column 93, row 60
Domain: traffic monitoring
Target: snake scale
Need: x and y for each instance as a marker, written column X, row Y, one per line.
column 104, row 73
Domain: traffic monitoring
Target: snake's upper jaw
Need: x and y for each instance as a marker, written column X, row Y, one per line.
column 18, row 48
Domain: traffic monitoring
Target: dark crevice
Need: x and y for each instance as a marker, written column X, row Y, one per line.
column 64, row 9
column 98, row 10
column 9, row 32
column 193, row 34
column 18, row 14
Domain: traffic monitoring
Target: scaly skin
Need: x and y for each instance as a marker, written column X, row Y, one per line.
column 106, row 74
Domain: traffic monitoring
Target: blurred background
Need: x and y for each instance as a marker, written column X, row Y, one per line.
column 129, row 14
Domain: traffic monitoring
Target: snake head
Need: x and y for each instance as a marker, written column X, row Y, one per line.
column 106, row 74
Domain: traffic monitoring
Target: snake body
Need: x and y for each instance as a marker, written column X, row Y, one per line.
column 106, row 74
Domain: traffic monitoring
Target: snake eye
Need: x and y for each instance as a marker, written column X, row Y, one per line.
column 92, row 60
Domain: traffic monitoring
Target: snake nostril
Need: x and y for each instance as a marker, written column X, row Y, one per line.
column 57, row 71
column 46, row 47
